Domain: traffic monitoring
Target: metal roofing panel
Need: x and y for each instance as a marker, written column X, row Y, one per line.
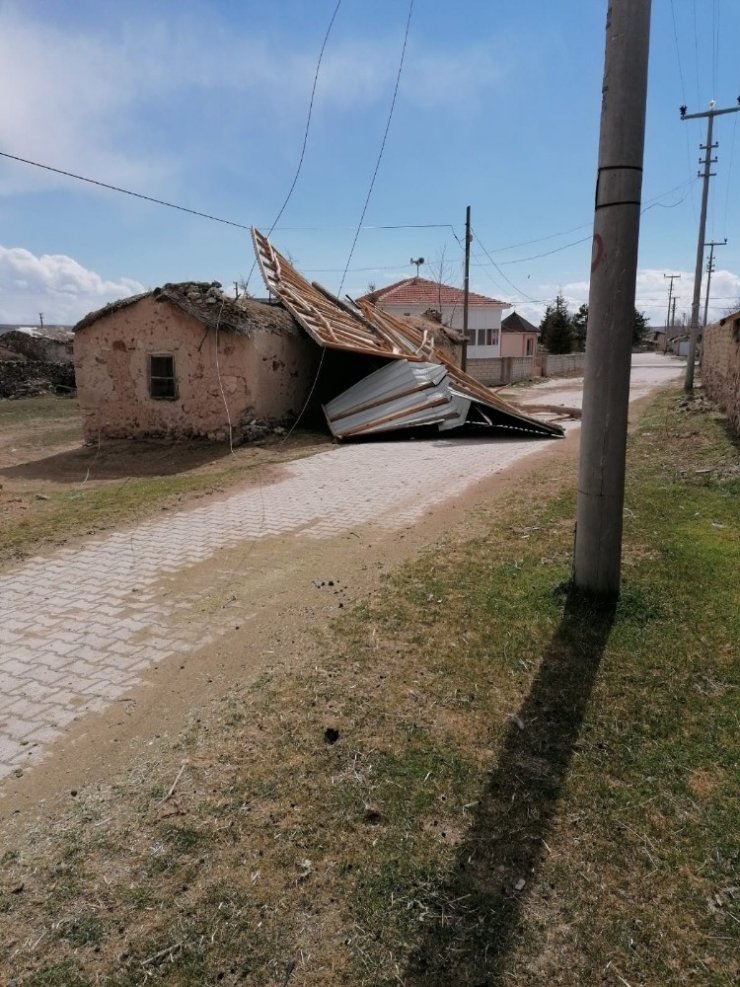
column 361, row 328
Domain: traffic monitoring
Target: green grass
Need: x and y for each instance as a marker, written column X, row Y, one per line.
column 525, row 790
column 48, row 406
column 73, row 493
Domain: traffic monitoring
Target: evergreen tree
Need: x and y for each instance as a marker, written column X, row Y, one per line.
column 556, row 328
column 580, row 325
column 580, row 322
column 639, row 328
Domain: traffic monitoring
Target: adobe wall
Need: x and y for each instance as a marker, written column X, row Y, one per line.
column 721, row 368
column 266, row 375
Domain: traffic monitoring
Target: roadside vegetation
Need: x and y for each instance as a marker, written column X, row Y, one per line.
column 475, row 779
column 53, row 488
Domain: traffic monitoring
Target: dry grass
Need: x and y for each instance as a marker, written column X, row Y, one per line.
column 518, row 789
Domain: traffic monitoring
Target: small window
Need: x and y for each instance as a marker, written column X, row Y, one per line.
column 530, row 347
column 471, row 337
column 162, row 382
column 487, row 337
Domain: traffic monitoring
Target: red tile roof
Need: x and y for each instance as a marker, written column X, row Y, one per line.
column 420, row 291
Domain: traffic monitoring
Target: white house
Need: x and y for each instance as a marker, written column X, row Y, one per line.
column 418, row 296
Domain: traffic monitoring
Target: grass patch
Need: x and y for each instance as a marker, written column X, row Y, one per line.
column 483, row 780
column 21, row 411
column 66, row 493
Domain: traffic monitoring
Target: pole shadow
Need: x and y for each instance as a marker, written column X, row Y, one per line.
column 470, row 940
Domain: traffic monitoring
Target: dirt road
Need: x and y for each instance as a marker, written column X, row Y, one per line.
column 106, row 647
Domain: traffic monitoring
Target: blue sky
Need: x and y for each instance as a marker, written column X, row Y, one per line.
column 205, row 103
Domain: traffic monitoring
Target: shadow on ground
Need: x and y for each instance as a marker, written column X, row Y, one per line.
column 497, row 864
column 117, row 460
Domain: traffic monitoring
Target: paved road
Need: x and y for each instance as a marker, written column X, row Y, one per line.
column 80, row 628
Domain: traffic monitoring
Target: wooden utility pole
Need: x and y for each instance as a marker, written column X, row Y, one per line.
column 707, row 161
column 466, row 289
column 673, row 277
column 611, row 301
column 710, row 271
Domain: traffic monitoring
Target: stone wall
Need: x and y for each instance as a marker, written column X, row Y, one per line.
column 40, row 348
column 25, row 378
column 499, row 371
column 560, row 364
column 721, row 367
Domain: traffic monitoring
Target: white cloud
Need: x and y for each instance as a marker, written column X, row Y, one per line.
column 652, row 294
column 54, row 284
column 86, row 102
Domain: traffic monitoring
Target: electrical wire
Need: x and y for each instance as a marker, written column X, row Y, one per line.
column 502, row 273
column 382, row 145
column 729, row 173
column 287, row 198
column 696, row 54
column 123, row 191
column 308, row 118
column 684, row 102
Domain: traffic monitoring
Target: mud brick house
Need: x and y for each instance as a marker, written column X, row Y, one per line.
column 186, row 361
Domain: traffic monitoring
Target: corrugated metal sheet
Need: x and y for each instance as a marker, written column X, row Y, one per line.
column 363, row 329
column 400, row 395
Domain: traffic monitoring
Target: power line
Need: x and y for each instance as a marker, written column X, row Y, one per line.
column 124, row 191
column 382, row 145
column 308, row 119
column 209, row 216
column 503, row 275
column 683, row 97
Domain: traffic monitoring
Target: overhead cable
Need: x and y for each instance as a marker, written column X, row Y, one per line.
column 382, row 144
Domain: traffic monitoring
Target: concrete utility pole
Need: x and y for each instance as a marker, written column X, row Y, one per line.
column 710, row 270
column 673, row 277
column 707, row 161
column 466, row 288
column 611, row 301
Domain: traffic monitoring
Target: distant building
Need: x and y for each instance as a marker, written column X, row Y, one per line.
column 518, row 337
column 419, row 296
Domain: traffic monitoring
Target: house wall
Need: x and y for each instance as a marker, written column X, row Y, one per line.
column 479, row 317
column 515, row 343
column 721, row 367
column 265, row 375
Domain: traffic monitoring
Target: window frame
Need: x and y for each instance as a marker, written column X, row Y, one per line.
column 162, row 378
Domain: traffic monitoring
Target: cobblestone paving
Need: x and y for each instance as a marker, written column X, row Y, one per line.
column 80, row 628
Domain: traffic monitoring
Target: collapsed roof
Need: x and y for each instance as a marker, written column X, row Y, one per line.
column 205, row 302
column 429, row 390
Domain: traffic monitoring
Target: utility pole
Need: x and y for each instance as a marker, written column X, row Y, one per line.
column 673, row 316
column 466, row 288
column 710, row 270
column 673, row 277
column 41, row 320
column 707, row 161
column 611, row 301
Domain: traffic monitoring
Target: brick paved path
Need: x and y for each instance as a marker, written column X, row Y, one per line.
column 80, row 628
